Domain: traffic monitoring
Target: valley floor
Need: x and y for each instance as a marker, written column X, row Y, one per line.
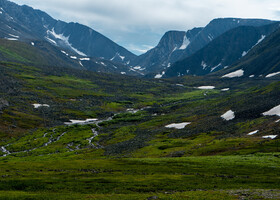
column 81, row 176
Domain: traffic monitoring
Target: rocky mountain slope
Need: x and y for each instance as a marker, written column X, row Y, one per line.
column 175, row 46
column 222, row 51
column 26, row 24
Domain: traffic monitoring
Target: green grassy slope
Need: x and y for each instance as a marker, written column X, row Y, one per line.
column 130, row 154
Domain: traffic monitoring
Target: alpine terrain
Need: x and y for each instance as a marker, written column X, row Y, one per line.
column 196, row 117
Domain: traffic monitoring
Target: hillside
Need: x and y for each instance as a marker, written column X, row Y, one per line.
column 223, row 51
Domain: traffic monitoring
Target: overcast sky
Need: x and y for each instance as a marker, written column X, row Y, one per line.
column 139, row 24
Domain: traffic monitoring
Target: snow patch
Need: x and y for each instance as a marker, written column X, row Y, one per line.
column 203, row 64
column 81, row 63
column 185, row 44
column 36, row 105
column 273, row 111
column 65, row 40
column 118, row 55
column 181, row 85
column 269, row 137
column 229, row 115
column 178, row 125
column 137, row 67
column 213, row 68
column 169, row 65
column 253, row 132
column 272, row 74
column 237, row 73
column 252, row 76
column 87, row 121
column 32, row 43
column 225, row 89
column 244, row 53
column 102, row 63
column 65, row 53
column 74, row 57
column 15, row 36
column 85, row 59
column 160, row 75
column 12, row 39
column 206, row 87
column 123, row 73
column 51, row 41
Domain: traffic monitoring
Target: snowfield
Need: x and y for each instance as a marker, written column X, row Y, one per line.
column 270, row 137
column 237, row 73
column 273, row 111
column 178, row 125
column 272, row 74
column 36, row 105
column 229, row 115
column 206, row 87
column 253, row 132
column 72, row 121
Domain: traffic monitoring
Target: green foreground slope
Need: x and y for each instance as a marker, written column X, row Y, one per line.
column 129, row 153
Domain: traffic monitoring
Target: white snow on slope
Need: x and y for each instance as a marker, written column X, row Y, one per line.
column 118, row 55
column 185, row 44
column 251, row 76
column 15, row 36
column 123, row 73
column 32, row 43
column 65, row 53
column 65, row 40
column 80, row 62
column 36, row 105
column 85, row 59
column 225, row 89
column 244, row 53
column 237, row 73
column 229, row 115
column 73, row 57
column 51, row 41
column 87, row 121
column 137, row 67
column 12, row 39
column 213, row 68
column 270, row 136
column 258, row 42
column 273, row 111
column 272, row 74
column 160, row 75
column 203, row 64
column 178, row 126
column 206, row 87
column 253, row 132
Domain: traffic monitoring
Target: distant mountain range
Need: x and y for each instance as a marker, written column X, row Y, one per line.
column 177, row 45
column 199, row 51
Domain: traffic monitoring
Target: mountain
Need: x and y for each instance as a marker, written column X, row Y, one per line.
column 175, row 46
column 262, row 61
column 222, row 51
column 170, row 47
column 27, row 24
